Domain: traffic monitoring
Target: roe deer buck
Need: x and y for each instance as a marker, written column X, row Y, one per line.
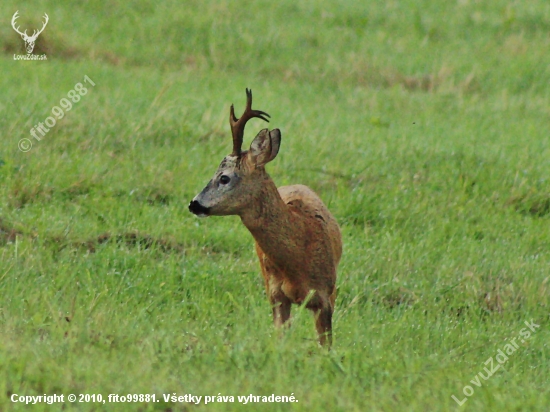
column 297, row 239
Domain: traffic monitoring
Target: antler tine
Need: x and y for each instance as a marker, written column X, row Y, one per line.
column 37, row 32
column 237, row 125
column 13, row 22
column 47, row 19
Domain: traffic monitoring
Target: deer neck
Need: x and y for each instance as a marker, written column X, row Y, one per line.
column 271, row 223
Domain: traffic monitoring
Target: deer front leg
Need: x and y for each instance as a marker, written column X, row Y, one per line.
column 280, row 303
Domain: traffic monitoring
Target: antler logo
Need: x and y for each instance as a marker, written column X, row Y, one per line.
column 29, row 40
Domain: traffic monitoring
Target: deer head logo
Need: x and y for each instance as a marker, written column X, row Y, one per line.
column 29, row 40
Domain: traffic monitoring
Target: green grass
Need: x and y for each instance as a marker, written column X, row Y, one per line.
column 422, row 125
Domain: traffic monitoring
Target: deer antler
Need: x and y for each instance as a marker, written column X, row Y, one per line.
column 237, row 125
column 24, row 34
column 15, row 17
column 35, row 33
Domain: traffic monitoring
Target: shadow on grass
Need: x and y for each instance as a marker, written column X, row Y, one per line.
column 144, row 241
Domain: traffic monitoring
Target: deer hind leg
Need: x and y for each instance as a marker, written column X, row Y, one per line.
column 281, row 309
column 322, row 309
column 323, row 323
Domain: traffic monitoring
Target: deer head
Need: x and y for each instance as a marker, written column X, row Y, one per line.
column 29, row 40
column 240, row 176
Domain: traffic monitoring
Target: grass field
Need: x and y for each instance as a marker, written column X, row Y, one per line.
column 424, row 126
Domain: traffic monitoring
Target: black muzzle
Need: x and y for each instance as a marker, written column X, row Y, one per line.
column 197, row 209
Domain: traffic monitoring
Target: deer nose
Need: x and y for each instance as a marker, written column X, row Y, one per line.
column 196, row 208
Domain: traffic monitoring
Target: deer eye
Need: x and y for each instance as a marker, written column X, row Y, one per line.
column 224, row 179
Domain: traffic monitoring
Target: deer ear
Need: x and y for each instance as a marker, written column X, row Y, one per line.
column 265, row 146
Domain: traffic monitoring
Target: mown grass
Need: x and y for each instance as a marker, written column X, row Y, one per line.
column 423, row 126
